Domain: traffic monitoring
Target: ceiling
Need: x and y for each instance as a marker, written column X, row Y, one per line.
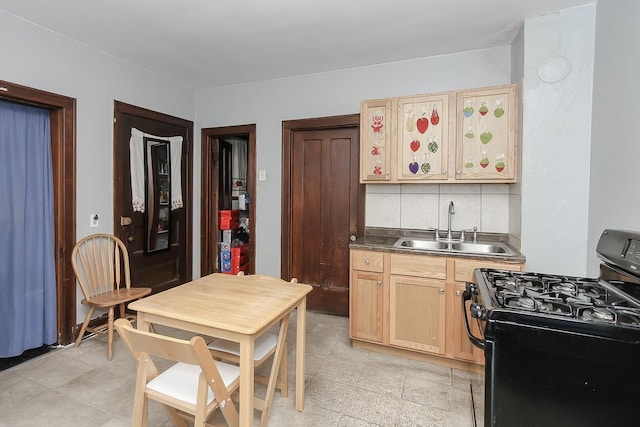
column 206, row 43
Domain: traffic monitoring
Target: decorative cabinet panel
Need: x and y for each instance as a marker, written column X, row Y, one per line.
column 376, row 136
column 422, row 128
column 486, row 134
column 459, row 136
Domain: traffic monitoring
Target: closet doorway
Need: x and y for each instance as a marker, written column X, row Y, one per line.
column 228, row 189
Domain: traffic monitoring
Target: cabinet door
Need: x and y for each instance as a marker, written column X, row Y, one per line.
column 422, row 127
column 417, row 314
column 376, row 136
column 366, row 305
column 462, row 347
column 486, row 143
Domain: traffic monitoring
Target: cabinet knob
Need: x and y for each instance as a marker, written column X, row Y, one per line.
column 441, row 291
column 458, row 292
column 366, row 262
column 444, row 171
column 379, row 283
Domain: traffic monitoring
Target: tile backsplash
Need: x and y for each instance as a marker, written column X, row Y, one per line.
column 423, row 206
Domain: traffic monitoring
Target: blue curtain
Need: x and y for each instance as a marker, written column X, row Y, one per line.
column 27, row 268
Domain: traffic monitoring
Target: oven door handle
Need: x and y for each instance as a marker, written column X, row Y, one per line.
column 478, row 342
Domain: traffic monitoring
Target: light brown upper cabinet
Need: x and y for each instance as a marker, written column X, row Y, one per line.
column 486, row 134
column 376, row 136
column 423, row 137
column 467, row 136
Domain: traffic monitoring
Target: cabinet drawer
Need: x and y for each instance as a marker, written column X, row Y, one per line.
column 464, row 268
column 367, row 261
column 419, row 265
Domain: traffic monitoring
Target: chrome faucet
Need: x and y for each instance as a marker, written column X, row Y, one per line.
column 452, row 211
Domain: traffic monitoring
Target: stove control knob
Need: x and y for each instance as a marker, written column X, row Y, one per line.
column 478, row 311
column 471, row 288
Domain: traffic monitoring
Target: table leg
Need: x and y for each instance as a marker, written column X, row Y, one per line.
column 301, row 329
column 246, row 381
column 141, row 323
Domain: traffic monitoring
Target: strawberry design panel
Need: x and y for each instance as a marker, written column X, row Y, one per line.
column 422, row 132
column 486, row 136
column 375, row 126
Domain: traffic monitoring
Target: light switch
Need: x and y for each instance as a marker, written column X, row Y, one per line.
column 262, row 175
column 93, row 220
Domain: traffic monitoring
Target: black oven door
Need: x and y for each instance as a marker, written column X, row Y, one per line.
column 539, row 376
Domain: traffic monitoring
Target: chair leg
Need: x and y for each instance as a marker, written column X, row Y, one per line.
column 110, row 333
column 284, row 371
column 275, row 367
column 140, row 402
column 87, row 318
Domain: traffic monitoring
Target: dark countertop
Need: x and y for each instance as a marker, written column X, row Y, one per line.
column 382, row 239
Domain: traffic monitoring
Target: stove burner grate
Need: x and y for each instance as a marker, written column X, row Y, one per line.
column 581, row 298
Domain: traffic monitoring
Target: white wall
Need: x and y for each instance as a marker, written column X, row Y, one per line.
column 268, row 103
column 556, row 142
column 615, row 150
column 40, row 59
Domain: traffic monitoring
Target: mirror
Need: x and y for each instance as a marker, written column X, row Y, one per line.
column 157, row 167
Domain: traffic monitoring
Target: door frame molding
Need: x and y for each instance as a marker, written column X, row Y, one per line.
column 289, row 128
column 63, row 153
column 209, row 193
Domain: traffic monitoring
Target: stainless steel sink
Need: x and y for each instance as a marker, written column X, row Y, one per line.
column 454, row 247
column 425, row 245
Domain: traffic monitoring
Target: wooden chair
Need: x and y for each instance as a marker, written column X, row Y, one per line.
column 101, row 265
column 191, row 389
column 266, row 345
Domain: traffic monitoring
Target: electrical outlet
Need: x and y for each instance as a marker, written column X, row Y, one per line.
column 93, row 220
column 262, row 175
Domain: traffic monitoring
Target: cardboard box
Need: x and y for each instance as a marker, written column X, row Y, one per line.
column 228, row 220
column 226, row 236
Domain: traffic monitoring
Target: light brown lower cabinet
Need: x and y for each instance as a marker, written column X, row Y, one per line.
column 412, row 303
column 366, row 296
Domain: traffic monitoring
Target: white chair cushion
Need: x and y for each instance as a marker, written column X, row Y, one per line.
column 181, row 381
column 263, row 345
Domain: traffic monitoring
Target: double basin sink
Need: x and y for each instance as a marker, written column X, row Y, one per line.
column 483, row 248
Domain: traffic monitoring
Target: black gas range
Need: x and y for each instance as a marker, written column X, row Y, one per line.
column 561, row 350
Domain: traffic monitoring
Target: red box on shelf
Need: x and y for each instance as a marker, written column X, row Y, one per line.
column 228, row 220
column 239, row 259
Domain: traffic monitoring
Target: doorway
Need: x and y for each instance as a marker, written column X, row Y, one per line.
column 158, row 234
column 322, row 206
column 228, row 188
column 62, row 115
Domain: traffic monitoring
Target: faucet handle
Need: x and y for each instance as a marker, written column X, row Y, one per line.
column 475, row 234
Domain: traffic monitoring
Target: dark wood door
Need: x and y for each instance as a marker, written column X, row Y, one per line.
column 162, row 268
column 326, row 208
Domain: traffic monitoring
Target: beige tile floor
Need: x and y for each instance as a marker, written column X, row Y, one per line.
column 345, row 386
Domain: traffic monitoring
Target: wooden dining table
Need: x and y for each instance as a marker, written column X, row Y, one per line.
column 236, row 308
